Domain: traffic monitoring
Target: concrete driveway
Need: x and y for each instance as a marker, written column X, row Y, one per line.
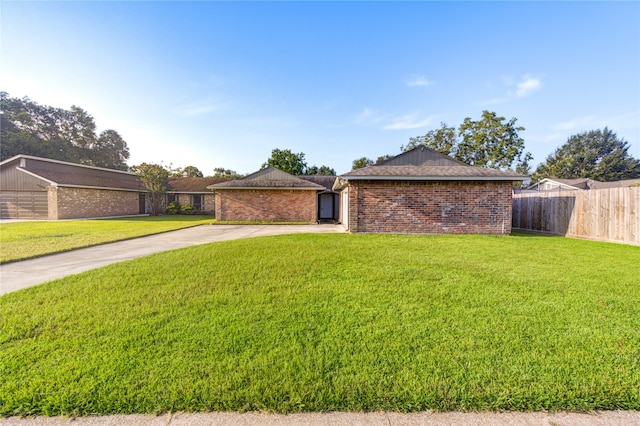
column 18, row 275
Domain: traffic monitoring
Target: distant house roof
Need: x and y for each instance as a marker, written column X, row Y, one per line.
column 269, row 178
column 65, row 174
column 550, row 184
column 326, row 181
column 424, row 163
column 193, row 184
column 615, row 184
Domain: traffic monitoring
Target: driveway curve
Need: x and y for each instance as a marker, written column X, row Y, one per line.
column 18, row 275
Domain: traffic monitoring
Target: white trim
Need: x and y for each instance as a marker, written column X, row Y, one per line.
column 434, row 178
column 20, row 169
column 257, row 188
column 48, row 160
column 98, row 187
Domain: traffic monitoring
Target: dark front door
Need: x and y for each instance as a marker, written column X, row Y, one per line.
column 326, row 206
column 141, row 204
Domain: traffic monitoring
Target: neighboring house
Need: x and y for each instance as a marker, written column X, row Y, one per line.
column 267, row 195
column 555, row 184
column 193, row 191
column 40, row 188
column 425, row 192
column 615, row 184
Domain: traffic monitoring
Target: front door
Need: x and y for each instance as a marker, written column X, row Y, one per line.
column 326, row 206
column 141, row 204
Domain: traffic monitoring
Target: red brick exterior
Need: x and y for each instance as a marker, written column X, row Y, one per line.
column 429, row 207
column 76, row 203
column 267, row 205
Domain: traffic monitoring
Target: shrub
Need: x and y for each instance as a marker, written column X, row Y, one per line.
column 172, row 208
column 187, row 209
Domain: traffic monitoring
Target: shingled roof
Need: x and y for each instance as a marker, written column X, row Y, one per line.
column 269, row 178
column 193, row 184
column 424, row 163
column 65, row 174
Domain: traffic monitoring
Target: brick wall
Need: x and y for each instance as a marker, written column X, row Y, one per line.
column 429, row 207
column 208, row 202
column 76, row 203
column 267, row 205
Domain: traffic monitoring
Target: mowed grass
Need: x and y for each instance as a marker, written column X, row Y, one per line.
column 23, row 240
column 332, row 322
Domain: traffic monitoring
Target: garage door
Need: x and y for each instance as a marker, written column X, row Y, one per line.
column 23, row 205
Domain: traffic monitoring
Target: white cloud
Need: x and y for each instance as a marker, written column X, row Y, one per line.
column 527, row 86
column 578, row 123
column 199, row 108
column 419, row 80
column 410, row 121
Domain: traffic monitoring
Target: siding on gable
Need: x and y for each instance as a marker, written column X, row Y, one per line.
column 429, row 207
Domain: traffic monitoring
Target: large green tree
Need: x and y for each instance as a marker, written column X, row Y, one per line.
column 155, row 178
column 491, row 142
column 295, row 164
column 320, row 171
column 69, row 135
column 444, row 140
column 596, row 154
column 287, row 161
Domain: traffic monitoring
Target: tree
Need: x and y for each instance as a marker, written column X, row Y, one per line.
column 189, row 171
column 155, row 179
column 444, row 140
column 489, row 142
column 111, row 151
column 69, row 135
column 287, row 161
column 221, row 172
column 597, row 155
column 320, row 171
column 361, row 163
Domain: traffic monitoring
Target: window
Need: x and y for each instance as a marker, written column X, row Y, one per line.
column 196, row 202
column 172, row 198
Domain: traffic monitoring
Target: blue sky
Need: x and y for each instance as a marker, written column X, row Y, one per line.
column 221, row 84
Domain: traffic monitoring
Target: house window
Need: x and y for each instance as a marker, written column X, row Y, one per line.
column 196, row 202
column 172, row 198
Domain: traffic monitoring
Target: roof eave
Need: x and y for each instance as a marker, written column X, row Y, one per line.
column 264, row 188
column 436, row 178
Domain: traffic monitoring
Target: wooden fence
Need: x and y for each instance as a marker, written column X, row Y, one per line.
column 600, row 214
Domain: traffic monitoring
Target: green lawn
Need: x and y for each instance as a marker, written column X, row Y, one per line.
column 332, row 322
column 23, row 240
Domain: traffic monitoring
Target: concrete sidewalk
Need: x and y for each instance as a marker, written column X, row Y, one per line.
column 18, row 275
column 606, row 418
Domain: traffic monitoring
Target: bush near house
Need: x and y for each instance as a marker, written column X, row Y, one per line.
column 332, row 322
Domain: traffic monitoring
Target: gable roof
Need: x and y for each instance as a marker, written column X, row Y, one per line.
column 269, row 178
column 193, row 184
column 65, row 174
column 423, row 163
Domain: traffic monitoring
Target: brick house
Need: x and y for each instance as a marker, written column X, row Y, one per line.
column 267, row 195
column 41, row 188
column 193, row 191
column 423, row 191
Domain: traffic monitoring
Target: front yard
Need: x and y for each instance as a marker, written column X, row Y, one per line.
column 332, row 322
